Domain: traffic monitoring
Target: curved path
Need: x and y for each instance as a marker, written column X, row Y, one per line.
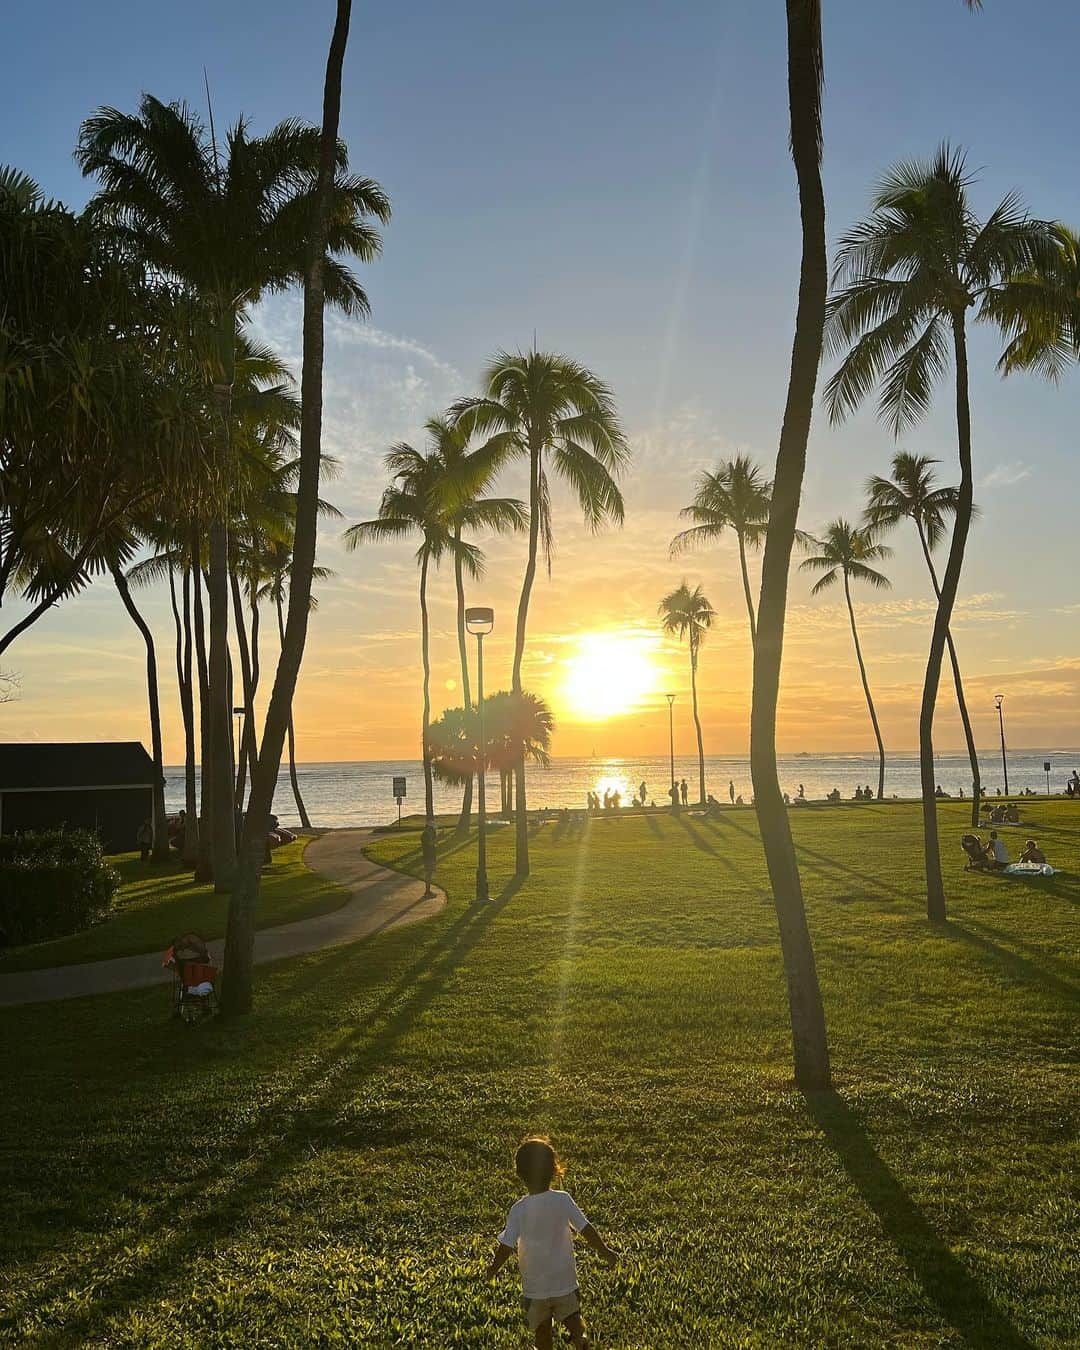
column 379, row 899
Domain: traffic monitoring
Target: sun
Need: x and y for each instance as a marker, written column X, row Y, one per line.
column 608, row 675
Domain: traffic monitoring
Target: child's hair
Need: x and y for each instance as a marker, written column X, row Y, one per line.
column 537, row 1163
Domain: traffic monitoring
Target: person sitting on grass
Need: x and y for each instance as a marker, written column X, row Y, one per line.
column 540, row 1228
column 1032, row 853
column 997, row 855
column 1012, row 814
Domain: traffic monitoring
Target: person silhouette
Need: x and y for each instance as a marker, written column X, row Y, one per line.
column 684, row 792
column 673, row 793
column 731, row 791
column 643, row 792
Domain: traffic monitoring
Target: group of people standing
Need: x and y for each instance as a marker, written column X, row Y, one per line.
column 678, row 793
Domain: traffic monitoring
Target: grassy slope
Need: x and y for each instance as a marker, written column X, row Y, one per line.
column 158, row 900
column 332, row 1172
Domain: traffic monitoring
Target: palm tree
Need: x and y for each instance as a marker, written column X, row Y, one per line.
column 907, row 277
column 561, row 417
column 911, row 495
column 688, row 613
column 735, row 497
column 414, row 503
column 466, row 476
column 226, row 229
column 318, row 272
column 514, row 725
column 805, row 67
column 845, row 553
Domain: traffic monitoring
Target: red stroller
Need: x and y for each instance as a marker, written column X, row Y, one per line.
column 194, row 991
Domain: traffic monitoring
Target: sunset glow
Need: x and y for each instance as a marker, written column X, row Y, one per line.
column 608, row 675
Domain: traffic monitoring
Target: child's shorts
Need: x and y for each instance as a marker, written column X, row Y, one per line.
column 539, row 1310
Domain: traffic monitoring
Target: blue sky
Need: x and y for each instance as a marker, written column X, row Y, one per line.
column 614, row 177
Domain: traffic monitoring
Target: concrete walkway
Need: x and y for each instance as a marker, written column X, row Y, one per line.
column 380, row 899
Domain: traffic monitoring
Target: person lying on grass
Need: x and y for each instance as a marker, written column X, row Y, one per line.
column 540, row 1228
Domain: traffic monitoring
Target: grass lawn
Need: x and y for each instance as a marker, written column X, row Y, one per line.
column 156, row 901
column 333, row 1170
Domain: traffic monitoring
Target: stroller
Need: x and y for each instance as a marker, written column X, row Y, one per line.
column 973, row 850
column 194, row 995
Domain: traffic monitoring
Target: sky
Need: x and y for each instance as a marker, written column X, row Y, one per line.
column 612, row 180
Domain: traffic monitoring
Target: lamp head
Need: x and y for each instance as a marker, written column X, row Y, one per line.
column 670, row 698
column 480, row 620
column 999, row 699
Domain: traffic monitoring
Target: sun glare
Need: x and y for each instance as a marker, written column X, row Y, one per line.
column 608, row 675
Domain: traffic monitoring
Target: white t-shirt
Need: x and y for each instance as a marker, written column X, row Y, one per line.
column 1001, row 855
column 539, row 1226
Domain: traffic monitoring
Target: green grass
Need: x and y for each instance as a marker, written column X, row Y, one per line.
column 333, row 1170
column 156, row 901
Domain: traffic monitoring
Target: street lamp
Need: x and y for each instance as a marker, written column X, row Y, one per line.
column 671, row 732
column 238, row 713
column 999, row 699
column 480, row 620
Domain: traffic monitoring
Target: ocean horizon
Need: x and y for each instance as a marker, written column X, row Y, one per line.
column 359, row 792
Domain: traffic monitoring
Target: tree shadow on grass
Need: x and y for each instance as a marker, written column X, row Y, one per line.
column 1017, row 966
column 957, row 1295
column 654, row 825
column 302, row 1116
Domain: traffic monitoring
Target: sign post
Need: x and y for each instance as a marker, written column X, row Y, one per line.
column 1046, row 770
column 398, row 794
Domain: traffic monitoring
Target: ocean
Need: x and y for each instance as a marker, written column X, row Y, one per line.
column 361, row 793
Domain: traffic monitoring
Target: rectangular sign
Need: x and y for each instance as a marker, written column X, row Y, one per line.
column 1046, row 766
column 399, row 787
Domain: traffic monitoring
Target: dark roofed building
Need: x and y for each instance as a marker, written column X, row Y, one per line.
column 95, row 785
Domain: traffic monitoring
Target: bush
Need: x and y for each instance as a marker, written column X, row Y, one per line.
column 51, row 884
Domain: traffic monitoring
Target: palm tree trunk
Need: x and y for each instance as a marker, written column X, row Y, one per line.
column 464, row 819
column 935, row 886
column 190, row 850
column 204, row 869
column 247, row 752
column 220, row 768
column 961, row 700
column 809, row 1038
column 305, row 820
column 521, row 820
column 157, row 796
column 697, row 719
column 425, row 660
column 240, row 934
column 866, row 690
column 746, row 588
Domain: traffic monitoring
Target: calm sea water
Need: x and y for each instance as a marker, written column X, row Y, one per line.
column 360, row 793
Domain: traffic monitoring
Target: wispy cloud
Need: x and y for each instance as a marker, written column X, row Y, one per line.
column 1006, row 475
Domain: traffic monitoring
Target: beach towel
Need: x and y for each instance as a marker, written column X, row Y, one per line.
column 1028, row 870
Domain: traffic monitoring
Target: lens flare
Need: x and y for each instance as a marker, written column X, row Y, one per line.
column 608, row 675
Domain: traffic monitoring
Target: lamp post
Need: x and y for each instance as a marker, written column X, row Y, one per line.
column 999, row 699
column 671, row 732
column 480, row 620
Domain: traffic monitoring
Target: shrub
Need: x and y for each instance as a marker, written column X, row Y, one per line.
column 52, row 883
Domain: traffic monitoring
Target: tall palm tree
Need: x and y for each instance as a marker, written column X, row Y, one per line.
column 319, row 281
column 466, row 476
column 910, row 494
column 907, row 277
column 561, row 418
column 805, row 65
column 735, row 497
column 226, row 229
column 689, row 614
column 414, row 503
column 845, row 553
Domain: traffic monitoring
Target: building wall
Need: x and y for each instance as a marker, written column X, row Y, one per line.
column 115, row 814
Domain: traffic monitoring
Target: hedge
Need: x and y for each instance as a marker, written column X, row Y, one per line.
column 52, row 883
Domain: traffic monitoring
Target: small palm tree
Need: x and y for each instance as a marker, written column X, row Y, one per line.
column 910, row 494
column 908, row 277
column 735, row 497
column 845, row 554
column 561, row 418
column 689, row 614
